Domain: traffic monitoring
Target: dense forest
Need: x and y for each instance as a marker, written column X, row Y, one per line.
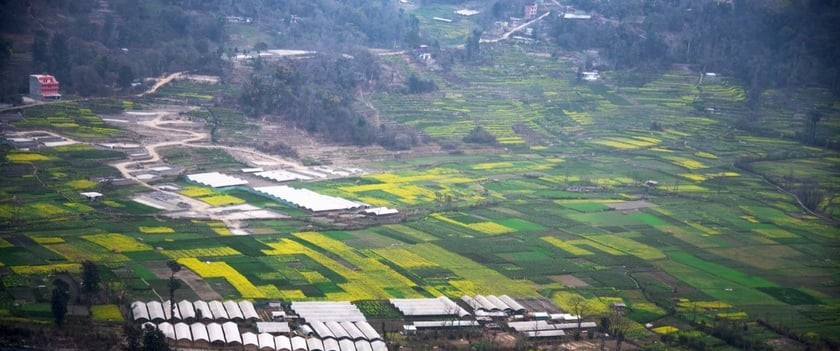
column 315, row 94
column 95, row 47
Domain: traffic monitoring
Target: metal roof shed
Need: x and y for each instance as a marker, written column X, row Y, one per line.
column 337, row 330
column 202, row 310
column 498, row 303
column 167, row 310
column 331, row 345
column 471, row 302
column 485, row 303
column 314, row 344
column 363, row 345
column 156, row 311
column 218, row 310
column 299, row 344
column 378, row 345
column 216, row 333
column 370, row 333
column 353, row 331
column 199, row 332
column 273, row 327
column 182, row 331
column 233, row 310
column 186, row 309
column 266, row 341
column 282, row 343
column 232, row 333
column 346, row 345
column 248, row 310
column 250, row 339
column 322, row 330
column 139, row 311
column 516, row 306
column 167, row 330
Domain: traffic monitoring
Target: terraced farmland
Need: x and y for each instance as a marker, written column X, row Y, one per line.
column 631, row 194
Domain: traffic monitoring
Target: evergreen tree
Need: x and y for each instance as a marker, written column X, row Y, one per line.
column 58, row 303
column 90, row 277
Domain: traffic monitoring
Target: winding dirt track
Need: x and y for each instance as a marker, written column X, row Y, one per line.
column 190, row 139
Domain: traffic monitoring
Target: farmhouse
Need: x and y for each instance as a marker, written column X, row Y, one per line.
column 43, row 87
column 530, row 11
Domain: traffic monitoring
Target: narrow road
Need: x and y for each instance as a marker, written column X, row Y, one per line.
column 161, row 82
column 515, row 29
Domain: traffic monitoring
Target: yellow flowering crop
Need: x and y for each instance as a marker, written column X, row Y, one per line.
column 156, row 230
column 47, row 268
column 114, row 241
column 25, row 157
column 203, row 252
column 223, row 270
column 566, row 246
column 667, row 329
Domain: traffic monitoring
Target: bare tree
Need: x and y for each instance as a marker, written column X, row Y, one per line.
column 578, row 307
column 618, row 326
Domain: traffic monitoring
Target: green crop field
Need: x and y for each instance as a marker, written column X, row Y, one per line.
column 559, row 210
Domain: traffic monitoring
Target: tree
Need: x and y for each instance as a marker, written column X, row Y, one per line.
column 578, row 307
column 90, row 277
column 473, row 45
column 814, row 117
column 416, row 85
column 154, row 340
column 125, row 76
column 412, row 36
column 174, row 284
column 480, row 136
column 86, row 80
column 618, row 326
column 133, row 337
column 261, row 46
column 40, row 54
column 58, row 303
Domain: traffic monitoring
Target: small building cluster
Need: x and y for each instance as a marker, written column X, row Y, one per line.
column 319, row 326
column 487, row 312
column 530, row 11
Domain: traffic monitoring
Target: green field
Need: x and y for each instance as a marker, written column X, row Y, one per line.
column 513, row 221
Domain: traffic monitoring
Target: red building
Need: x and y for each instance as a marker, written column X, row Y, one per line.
column 531, row 10
column 43, row 87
